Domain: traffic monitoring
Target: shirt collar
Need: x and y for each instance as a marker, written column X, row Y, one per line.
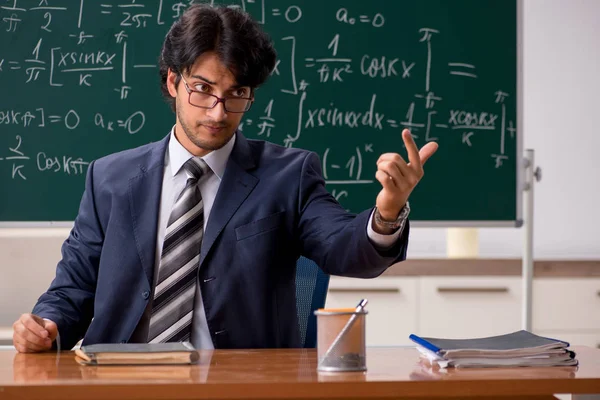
column 216, row 159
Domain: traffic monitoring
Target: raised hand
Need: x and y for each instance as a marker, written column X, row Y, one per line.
column 398, row 177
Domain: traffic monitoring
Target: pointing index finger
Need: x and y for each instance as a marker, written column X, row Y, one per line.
column 411, row 148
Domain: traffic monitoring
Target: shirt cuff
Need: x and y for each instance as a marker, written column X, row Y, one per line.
column 381, row 240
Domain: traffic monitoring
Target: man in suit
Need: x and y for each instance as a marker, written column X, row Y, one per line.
column 195, row 238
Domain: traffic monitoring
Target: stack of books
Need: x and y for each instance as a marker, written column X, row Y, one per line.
column 517, row 349
column 137, row 354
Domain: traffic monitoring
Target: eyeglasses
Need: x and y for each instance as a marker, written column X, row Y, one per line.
column 208, row 101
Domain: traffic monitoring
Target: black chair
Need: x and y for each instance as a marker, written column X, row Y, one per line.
column 311, row 292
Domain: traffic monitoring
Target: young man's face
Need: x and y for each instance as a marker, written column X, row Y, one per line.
column 201, row 130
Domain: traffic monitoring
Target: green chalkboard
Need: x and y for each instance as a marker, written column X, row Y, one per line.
column 79, row 80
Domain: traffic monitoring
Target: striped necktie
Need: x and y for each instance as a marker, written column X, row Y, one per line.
column 173, row 303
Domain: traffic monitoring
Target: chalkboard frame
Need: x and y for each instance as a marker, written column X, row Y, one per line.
column 518, row 222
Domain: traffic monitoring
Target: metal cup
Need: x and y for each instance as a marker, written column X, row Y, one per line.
column 341, row 340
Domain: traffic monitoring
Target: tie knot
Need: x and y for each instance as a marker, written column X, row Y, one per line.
column 196, row 167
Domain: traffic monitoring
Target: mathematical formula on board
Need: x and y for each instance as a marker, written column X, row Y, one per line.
column 97, row 56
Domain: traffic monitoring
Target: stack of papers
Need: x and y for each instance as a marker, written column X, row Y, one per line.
column 517, row 349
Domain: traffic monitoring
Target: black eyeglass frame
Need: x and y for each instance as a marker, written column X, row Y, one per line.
column 217, row 98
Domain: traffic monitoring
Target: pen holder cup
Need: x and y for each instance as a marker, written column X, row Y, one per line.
column 341, row 340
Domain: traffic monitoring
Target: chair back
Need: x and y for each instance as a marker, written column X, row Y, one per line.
column 311, row 293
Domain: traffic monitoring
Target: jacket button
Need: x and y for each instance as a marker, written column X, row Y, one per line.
column 145, row 294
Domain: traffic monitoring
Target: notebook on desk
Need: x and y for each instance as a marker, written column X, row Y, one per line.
column 137, row 353
column 521, row 348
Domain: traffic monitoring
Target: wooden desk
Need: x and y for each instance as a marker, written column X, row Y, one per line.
column 290, row 374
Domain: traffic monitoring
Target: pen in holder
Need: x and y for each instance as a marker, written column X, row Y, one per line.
column 341, row 343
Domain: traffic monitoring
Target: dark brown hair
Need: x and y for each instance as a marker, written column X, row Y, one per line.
column 245, row 49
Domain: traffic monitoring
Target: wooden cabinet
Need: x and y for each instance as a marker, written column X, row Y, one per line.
column 392, row 306
column 463, row 307
column 471, row 306
column 567, row 309
column 566, row 304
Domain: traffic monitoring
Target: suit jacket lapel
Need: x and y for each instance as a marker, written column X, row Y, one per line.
column 144, row 199
column 235, row 187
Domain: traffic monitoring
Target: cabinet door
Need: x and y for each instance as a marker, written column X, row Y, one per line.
column 566, row 304
column 469, row 307
column 392, row 306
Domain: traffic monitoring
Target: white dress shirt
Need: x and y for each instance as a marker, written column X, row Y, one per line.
column 174, row 180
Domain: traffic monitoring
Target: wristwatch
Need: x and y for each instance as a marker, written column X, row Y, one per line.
column 398, row 222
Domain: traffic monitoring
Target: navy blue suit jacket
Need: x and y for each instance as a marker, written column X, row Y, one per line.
column 271, row 208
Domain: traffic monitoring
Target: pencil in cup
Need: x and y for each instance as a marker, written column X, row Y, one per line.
column 341, row 339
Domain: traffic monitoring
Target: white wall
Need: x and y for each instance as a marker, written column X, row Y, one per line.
column 561, row 85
